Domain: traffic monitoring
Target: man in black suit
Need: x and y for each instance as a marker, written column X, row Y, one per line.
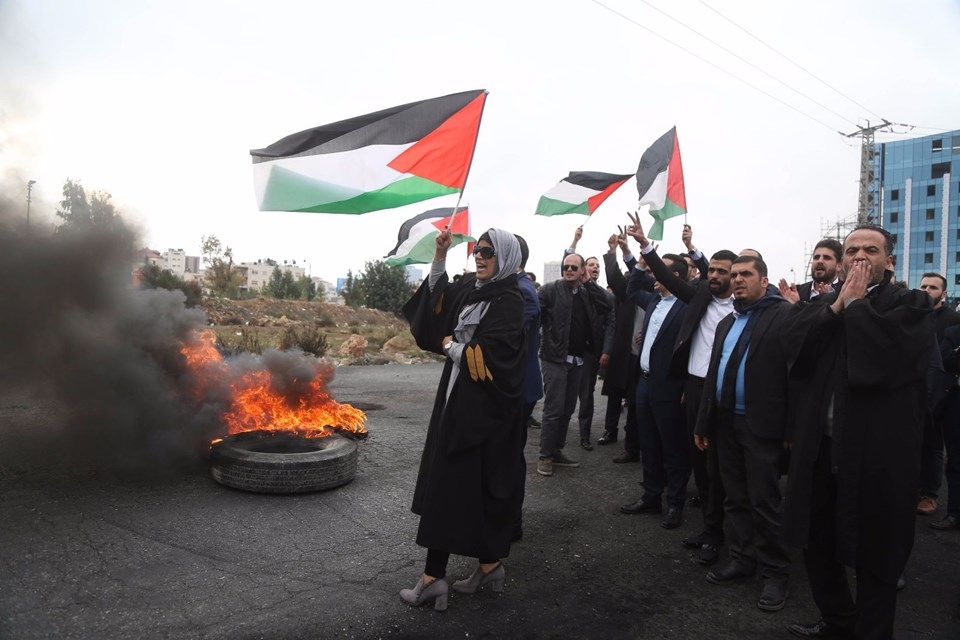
column 743, row 413
column 619, row 382
column 709, row 300
column 859, row 363
column 824, row 273
column 663, row 437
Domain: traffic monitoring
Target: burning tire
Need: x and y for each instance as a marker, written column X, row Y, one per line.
column 267, row 462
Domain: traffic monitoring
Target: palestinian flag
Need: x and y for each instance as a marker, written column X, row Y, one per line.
column 416, row 241
column 660, row 182
column 580, row 192
column 381, row 160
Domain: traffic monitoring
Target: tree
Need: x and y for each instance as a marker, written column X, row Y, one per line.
column 221, row 276
column 308, row 288
column 281, row 285
column 152, row 277
column 352, row 291
column 384, row 287
column 80, row 213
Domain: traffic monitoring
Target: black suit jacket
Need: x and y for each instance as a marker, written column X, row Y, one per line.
column 618, row 369
column 664, row 384
column 697, row 296
column 804, row 290
column 765, row 377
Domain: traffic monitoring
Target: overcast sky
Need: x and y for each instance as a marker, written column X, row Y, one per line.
column 159, row 103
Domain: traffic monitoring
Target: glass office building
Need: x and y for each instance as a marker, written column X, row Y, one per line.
column 919, row 181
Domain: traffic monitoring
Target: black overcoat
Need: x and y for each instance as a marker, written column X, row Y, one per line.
column 872, row 359
column 467, row 484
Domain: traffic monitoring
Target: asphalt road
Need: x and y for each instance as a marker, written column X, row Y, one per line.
column 84, row 554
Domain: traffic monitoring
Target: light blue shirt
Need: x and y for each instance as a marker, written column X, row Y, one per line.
column 657, row 317
column 729, row 343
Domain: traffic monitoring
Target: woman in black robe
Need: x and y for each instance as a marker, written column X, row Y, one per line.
column 466, row 488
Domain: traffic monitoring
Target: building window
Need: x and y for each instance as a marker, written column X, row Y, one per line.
column 939, row 169
column 931, row 214
column 931, row 189
column 894, row 195
column 894, row 217
column 958, row 256
column 928, row 236
column 937, row 145
column 928, row 258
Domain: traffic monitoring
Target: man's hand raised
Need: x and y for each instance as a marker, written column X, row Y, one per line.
column 789, row 291
column 635, row 230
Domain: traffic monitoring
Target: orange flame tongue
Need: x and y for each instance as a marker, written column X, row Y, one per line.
column 256, row 406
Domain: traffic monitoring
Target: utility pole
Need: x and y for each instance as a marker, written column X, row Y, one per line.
column 29, row 192
column 867, row 207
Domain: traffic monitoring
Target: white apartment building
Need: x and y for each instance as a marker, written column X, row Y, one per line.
column 257, row 274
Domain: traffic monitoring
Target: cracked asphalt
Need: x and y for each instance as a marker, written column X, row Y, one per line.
column 85, row 554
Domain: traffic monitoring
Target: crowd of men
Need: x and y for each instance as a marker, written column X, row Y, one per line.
column 845, row 384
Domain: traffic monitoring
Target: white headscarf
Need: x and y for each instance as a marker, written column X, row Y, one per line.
column 507, row 248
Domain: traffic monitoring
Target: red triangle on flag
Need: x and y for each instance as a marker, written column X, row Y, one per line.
column 443, row 155
column 461, row 224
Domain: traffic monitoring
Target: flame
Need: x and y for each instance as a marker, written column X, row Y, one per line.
column 256, row 405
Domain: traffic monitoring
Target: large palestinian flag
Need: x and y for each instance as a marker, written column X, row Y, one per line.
column 416, row 241
column 580, row 192
column 660, row 182
column 381, row 160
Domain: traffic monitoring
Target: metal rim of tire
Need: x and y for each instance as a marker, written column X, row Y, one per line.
column 281, row 462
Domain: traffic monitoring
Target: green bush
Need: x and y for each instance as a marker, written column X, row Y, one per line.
column 307, row 339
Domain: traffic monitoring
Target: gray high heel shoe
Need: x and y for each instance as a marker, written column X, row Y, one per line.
column 421, row 595
column 480, row 579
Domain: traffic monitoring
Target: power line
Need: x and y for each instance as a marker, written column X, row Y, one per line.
column 745, row 61
column 797, row 65
column 716, row 66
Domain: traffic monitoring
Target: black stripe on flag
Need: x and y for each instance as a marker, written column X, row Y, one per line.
column 404, row 231
column 596, row 180
column 404, row 124
column 655, row 160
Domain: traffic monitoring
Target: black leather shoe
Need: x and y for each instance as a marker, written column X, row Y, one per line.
column 947, row 524
column 627, row 456
column 641, row 507
column 708, row 554
column 819, row 629
column 586, row 445
column 694, row 542
column 729, row 573
column 606, row 438
column 774, row 595
column 672, row 519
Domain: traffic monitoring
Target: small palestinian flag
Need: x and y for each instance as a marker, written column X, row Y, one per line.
column 381, row 160
column 660, row 182
column 580, row 192
column 416, row 241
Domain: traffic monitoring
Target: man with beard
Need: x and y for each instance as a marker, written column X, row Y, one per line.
column 824, row 271
column 858, row 366
column 708, row 301
column 931, row 456
column 743, row 414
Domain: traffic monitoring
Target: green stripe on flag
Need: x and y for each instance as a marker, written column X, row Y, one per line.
column 396, row 194
column 550, row 207
column 670, row 210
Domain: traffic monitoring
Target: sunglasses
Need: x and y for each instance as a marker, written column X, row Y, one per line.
column 571, row 267
column 484, row 252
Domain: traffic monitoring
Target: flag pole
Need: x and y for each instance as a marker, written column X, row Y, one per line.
column 469, row 164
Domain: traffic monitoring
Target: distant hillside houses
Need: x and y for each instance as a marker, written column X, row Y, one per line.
column 255, row 274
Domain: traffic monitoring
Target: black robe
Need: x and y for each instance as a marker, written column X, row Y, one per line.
column 466, row 489
column 873, row 360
